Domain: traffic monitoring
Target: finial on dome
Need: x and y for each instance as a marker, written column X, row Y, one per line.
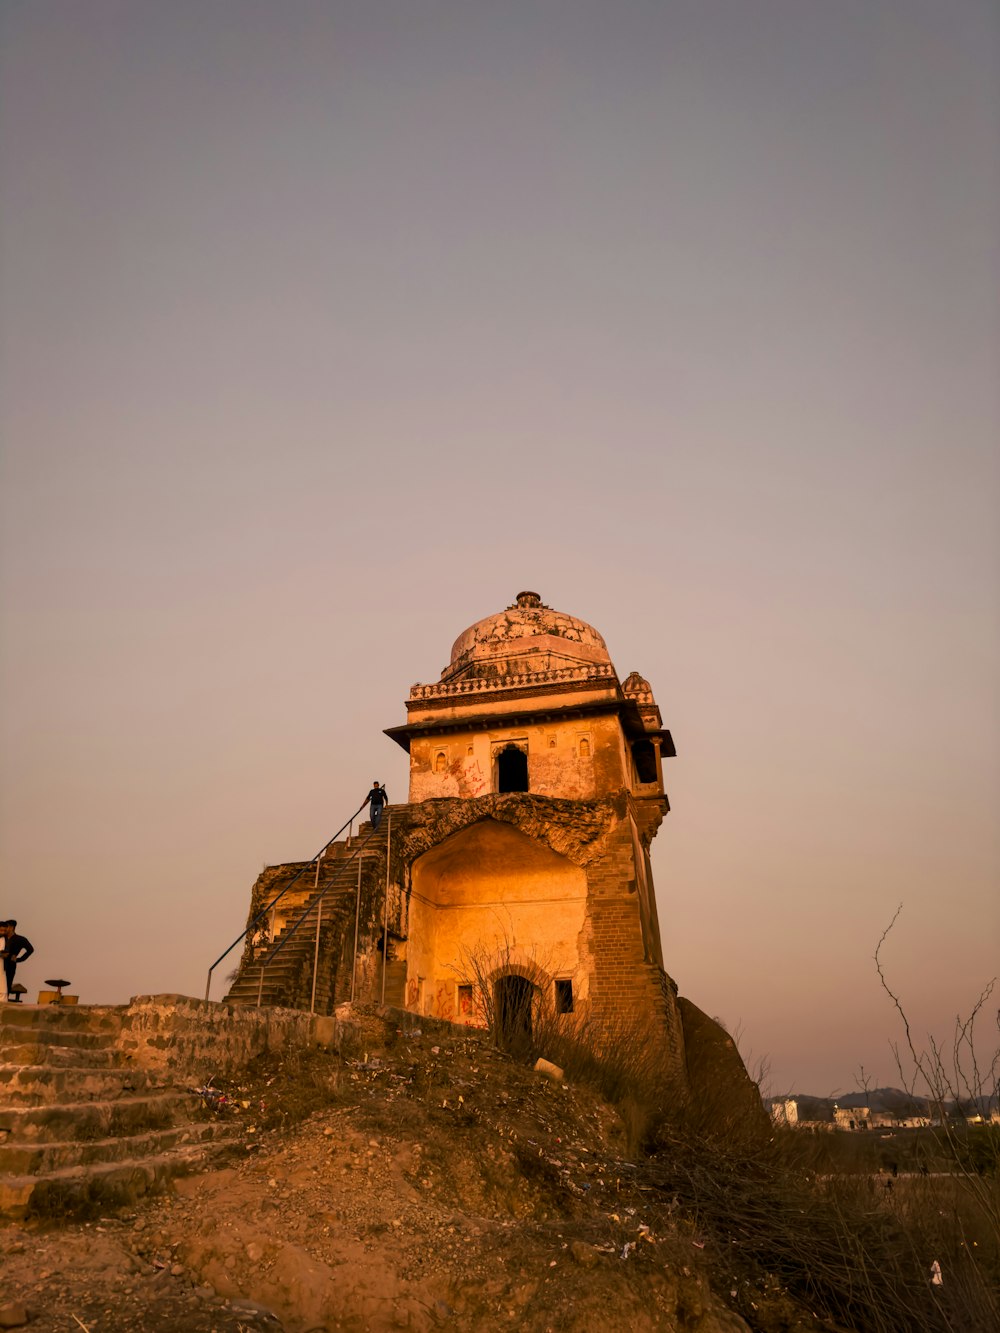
column 528, row 599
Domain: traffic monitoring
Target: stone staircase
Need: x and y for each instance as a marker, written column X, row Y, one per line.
column 83, row 1128
column 288, row 961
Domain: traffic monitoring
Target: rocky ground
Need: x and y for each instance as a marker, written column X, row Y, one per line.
column 427, row 1182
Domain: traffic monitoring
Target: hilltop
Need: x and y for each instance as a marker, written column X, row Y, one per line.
column 422, row 1181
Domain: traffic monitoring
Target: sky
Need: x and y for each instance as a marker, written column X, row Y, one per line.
column 326, row 328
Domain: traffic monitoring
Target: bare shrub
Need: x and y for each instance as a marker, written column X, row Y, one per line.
column 842, row 1244
column 621, row 1057
column 962, row 1084
column 490, row 962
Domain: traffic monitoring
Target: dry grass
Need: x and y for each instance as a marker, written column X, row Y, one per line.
column 843, row 1245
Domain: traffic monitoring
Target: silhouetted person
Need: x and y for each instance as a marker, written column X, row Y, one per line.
column 376, row 800
column 15, row 950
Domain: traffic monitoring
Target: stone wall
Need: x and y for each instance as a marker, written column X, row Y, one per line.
column 179, row 1035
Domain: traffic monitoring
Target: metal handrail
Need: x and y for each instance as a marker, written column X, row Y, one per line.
column 315, row 901
column 264, row 910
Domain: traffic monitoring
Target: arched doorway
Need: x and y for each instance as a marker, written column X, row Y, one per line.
column 513, row 995
column 490, row 902
column 512, row 770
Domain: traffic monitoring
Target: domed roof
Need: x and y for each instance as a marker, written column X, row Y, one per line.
column 527, row 636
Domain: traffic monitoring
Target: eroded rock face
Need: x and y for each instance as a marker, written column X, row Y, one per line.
column 574, row 829
column 724, row 1100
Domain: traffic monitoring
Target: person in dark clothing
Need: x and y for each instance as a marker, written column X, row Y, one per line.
column 376, row 800
column 15, row 950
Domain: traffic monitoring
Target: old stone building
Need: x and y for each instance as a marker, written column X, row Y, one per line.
column 536, row 787
column 516, row 878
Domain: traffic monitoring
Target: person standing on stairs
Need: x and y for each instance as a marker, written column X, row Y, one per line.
column 15, row 950
column 376, row 800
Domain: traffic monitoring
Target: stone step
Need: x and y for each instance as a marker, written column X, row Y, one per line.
column 39, row 1158
column 122, row 1116
column 272, row 977
column 334, row 909
column 249, row 987
column 87, row 1190
column 274, row 998
column 36, row 1085
column 16, row 1033
column 296, row 947
column 76, row 1057
column 76, row 1017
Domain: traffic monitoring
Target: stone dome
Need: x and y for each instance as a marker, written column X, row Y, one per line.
column 528, row 636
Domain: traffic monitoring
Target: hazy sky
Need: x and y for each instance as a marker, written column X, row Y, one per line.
column 328, row 327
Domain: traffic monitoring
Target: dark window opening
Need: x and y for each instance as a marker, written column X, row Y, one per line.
column 564, row 997
column 513, row 1005
column 644, row 757
column 466, row 1002
column 512, row 770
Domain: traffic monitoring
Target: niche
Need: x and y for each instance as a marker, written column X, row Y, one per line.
column 564, row 996
column 644, row 758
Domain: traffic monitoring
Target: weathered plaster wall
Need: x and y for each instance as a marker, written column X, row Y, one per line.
column 486, row 899
column 577, row 759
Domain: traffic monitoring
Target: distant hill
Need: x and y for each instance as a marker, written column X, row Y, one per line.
column 890, row 1101
column 885, row 1101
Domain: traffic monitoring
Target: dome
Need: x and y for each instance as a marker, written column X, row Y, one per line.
column 526, row 637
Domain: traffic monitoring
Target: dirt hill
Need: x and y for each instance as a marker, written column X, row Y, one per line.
column 423, row 1181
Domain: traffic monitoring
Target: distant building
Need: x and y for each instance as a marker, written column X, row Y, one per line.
column 785, row 1111
column 852, row 1117
column 816, row 1113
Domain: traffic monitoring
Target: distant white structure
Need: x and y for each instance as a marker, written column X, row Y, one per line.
column 788, row 1112
column 852, row 1117
column 785, row 1112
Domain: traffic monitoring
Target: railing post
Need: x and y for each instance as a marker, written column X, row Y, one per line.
column 260, row 984
column 385, row 906
column 357, row 919
column 319, row 918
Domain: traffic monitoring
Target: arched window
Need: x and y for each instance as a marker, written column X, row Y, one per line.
column 584, row 747
column 512, row 770
column 440, row 762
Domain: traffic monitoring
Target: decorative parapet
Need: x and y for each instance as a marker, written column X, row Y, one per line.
column 526, row 680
